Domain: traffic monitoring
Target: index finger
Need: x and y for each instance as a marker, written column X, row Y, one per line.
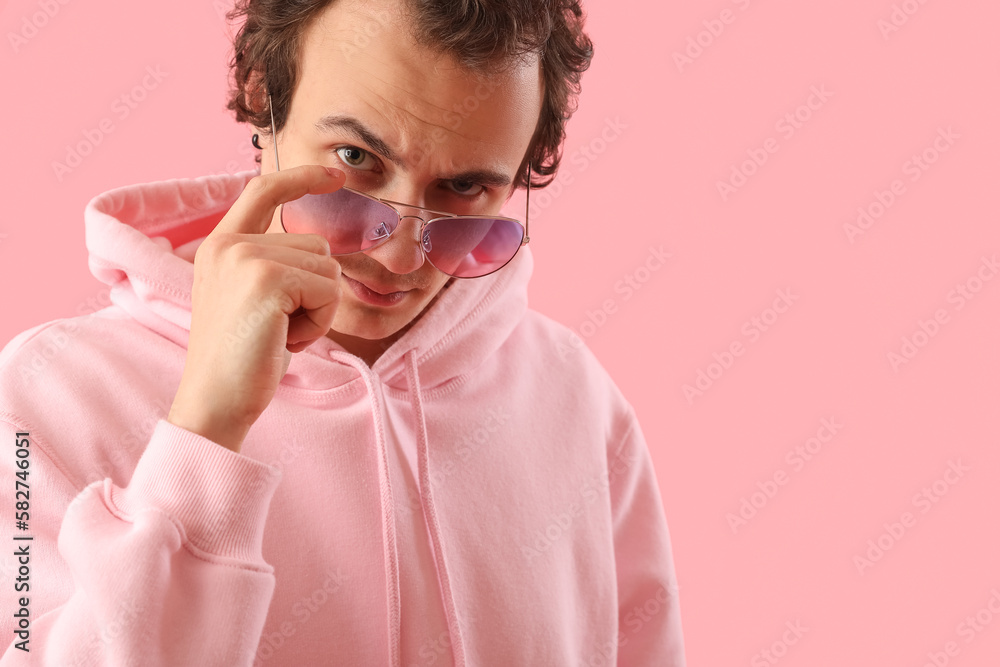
column 253, row 210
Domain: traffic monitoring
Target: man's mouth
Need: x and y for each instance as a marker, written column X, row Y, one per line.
column 376, row 297
column 377, row 287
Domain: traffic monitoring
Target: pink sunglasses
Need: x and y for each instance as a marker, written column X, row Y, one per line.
column 463, row 246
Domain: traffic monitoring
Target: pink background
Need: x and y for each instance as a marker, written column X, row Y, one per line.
column 662, row 136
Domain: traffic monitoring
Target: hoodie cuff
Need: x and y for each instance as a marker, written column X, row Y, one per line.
column 220, row 497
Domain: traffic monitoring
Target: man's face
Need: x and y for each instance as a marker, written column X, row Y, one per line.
column 427, row 122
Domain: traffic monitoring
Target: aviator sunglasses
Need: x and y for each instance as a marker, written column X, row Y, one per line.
column 463, row 246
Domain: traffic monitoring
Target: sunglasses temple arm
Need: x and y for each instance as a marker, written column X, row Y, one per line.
column 274, row 135
column 527, row 201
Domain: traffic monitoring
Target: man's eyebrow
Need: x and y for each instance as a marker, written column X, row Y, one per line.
column 359, row 130
column 352, row 125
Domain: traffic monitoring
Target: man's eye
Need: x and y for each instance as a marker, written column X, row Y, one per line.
column 356, row 157
column 467, row 188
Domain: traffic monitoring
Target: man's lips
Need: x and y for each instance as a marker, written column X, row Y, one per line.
column 377, row 287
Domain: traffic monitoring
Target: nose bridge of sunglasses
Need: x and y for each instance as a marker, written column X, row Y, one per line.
column 413, row 230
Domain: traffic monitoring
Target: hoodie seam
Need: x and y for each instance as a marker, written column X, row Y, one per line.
column 317, row 396
column 197, row 551
column 443, row 389
column 142, row 277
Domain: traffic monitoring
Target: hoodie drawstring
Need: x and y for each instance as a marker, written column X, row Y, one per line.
column 430, row 513
column 388, row 509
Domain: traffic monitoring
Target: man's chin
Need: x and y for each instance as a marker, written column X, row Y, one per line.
column 367, row 329
column 362, row 325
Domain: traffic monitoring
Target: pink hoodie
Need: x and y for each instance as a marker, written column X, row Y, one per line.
column 482, row 495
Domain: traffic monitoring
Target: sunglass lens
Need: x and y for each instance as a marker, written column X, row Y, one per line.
column 471, row 247
column 350, row 222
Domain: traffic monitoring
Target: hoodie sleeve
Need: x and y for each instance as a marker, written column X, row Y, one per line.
column 166, row 571
column 649, row 622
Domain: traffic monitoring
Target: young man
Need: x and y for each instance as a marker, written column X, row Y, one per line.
column 265, row 454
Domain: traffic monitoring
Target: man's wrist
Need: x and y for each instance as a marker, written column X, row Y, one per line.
column 225, row 432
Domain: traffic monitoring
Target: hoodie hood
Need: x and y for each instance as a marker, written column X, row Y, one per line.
column 142, row 240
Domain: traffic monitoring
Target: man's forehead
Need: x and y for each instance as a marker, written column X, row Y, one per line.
column 360, row 62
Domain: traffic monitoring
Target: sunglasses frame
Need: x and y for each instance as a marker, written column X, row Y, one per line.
column 441, row 215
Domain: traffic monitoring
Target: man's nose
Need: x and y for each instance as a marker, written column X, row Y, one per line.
column 402, row 253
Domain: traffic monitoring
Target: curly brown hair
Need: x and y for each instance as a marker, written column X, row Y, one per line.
column 484, row 36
